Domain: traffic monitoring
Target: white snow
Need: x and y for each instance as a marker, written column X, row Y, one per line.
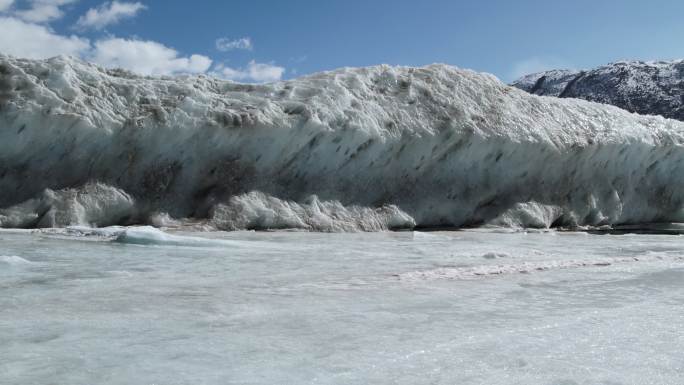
column 554, row 83
column 13, row 260
column 529, row 214
column 344, row 308
column 440, row 145
column 91, row 205
column 146, row 235
column 482, row 271
column 649, row 88
column 259, row 211
column 133, row 235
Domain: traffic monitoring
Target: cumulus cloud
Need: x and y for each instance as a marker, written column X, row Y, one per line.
column 42, row 11
column 26, row 33
column 256, row 72
column 146, row 57
column 34, row 41
column 225, row 44
column 5, row 5
column 108, row 14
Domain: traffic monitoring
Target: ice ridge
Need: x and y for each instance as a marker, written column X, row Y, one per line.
column 379, row 147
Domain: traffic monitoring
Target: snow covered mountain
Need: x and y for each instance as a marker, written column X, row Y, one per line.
column 648, row 88
column 352, row 149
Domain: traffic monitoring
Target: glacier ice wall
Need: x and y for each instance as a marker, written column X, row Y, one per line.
column 257, row 210
column 93, row 204
column 445, row 146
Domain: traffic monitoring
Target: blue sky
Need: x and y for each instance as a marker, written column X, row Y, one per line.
column 266, row 40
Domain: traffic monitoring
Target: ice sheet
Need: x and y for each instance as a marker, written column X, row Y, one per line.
column 311, row 308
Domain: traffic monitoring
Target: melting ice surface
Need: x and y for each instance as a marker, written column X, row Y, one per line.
column 467, row 307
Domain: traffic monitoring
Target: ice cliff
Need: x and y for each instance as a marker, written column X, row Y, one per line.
column 649, row 88
column 352, row 149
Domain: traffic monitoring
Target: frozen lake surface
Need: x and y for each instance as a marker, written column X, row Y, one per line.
column 466, row 307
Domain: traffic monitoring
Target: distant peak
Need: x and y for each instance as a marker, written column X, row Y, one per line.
column 645, row 87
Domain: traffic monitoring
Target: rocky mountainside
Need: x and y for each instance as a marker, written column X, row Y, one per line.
column 648, row 88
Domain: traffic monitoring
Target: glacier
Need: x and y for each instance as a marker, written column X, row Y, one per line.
column 259, row 211
column 354, row 149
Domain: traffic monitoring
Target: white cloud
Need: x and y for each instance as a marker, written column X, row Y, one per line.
column 257, row 72
column 536, row 64
column 34, row 41
column 24, row 34
column 107, row 14
column 146, row 57
column 225, row 44
column 5, row 4
column 42, row 11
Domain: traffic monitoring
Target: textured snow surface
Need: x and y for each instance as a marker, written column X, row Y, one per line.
column 93, row 204
column 650, row 88
column 146, row 235
column 260, row 211
column 399, row 308
column 434, row 146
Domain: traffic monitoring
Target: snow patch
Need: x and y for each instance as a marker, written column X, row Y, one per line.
column 529, row 214
column 649, row 88
column 163, row 220
column 147, row 235
column 259, row 211
column 13, row 260
column 94, row 204
column 481, row 271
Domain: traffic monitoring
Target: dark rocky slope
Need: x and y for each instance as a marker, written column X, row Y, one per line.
column 648, row 88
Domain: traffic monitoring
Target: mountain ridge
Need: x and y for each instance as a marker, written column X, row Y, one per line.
column 644, row 87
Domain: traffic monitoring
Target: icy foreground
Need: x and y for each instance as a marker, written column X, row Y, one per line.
column 650, row 88
column 360, row 149
column 122, row 306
